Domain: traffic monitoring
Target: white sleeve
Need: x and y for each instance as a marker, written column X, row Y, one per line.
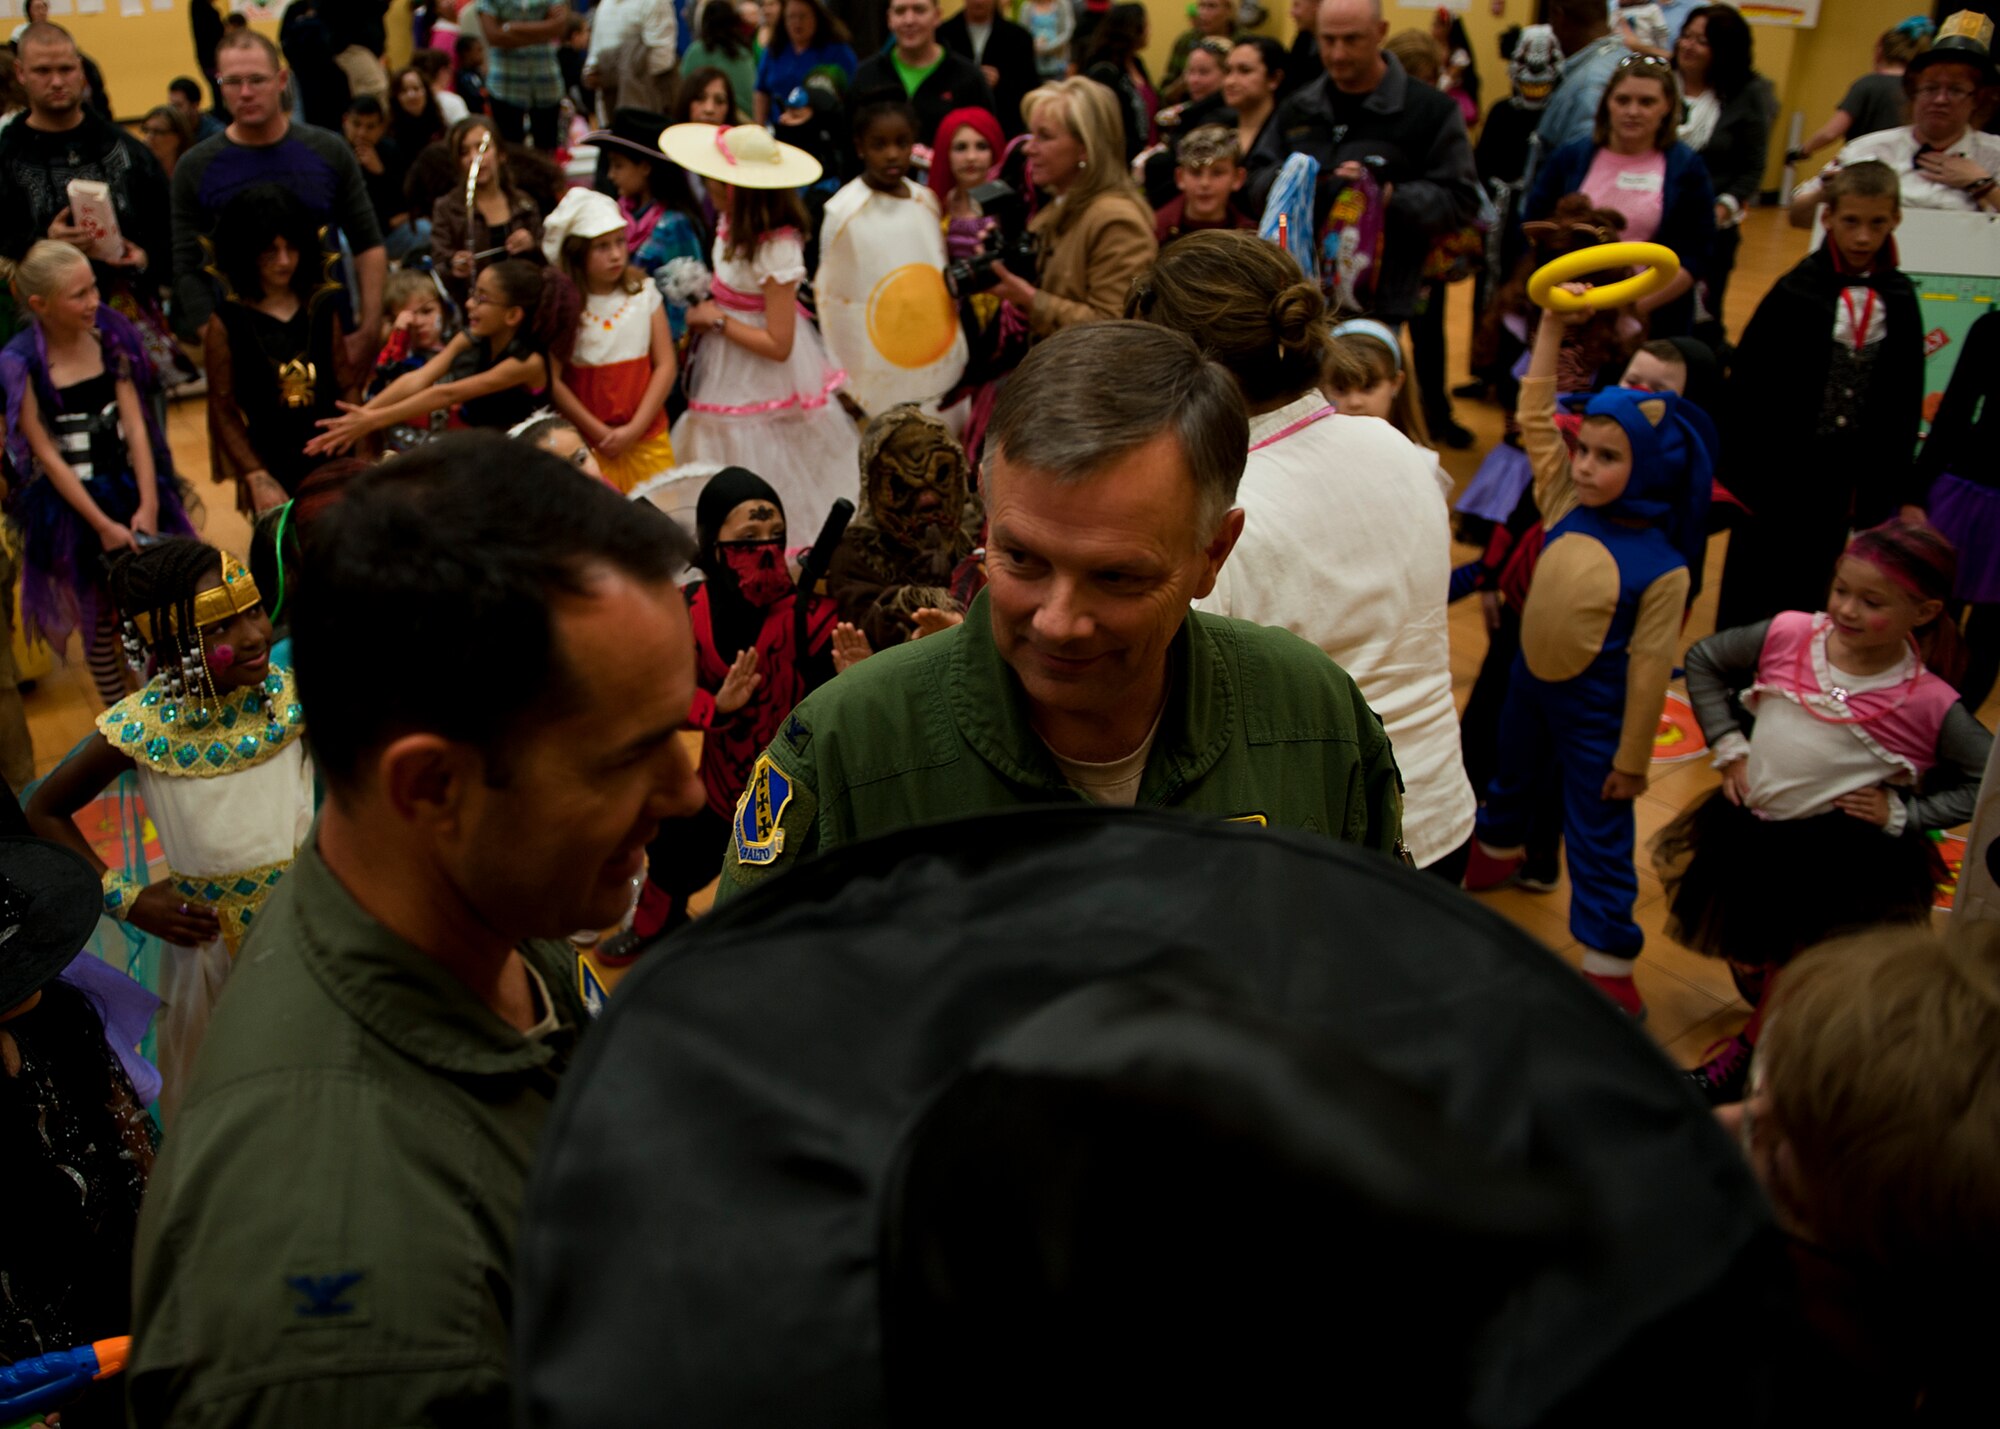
column 661, row 34
column 604, row 25
column 781, row 258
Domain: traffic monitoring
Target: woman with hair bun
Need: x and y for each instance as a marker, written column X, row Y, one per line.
column 1346, row 541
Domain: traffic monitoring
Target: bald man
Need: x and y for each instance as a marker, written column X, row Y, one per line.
column 1366, row 114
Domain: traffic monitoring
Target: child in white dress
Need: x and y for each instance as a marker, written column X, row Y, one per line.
column 761, row 390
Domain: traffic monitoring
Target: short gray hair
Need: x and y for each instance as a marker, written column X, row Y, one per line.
column 1091, row 393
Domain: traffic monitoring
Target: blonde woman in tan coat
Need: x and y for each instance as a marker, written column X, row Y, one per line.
column 1096, row 232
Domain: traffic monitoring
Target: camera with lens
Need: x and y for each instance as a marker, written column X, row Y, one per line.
column 1008, row 242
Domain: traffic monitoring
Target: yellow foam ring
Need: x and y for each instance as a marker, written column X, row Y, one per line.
column 1662, row 264
column 911, row 320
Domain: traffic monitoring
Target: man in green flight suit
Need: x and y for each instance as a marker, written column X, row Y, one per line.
column 1080, row 672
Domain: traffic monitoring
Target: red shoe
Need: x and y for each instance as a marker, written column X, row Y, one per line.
column 1486, row 871
column 1623, row 992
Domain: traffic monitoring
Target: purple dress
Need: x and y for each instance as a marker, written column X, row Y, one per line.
column 62, row 576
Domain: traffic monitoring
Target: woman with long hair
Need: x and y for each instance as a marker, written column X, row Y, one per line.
column 1116, row 61
column 1730, row 111
column 1634, row 164
column 1096, row 232
column 722, row 43
column 807, row 39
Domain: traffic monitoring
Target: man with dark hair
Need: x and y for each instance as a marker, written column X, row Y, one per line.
column 1591, row 49
column 59, row 139
column 185, row 95
column 1080, row 673
column 499, row 664
column 261, row 146
column 383, row 168
column 921, row 70
column 1365, row 113
column 1004, row 52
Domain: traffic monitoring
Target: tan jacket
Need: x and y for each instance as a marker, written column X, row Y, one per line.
column 1090, row 256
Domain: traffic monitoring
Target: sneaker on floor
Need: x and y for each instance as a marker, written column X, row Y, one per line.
column 1725, row 1070
column 1623, row 991
column 1485, row 870
column 1451, row 434
column 1538, row 880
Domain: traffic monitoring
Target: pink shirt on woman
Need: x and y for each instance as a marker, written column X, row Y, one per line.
column 1632, row 184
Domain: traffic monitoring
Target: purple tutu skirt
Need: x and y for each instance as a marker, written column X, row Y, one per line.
column 63, row 564
column 1969, row 516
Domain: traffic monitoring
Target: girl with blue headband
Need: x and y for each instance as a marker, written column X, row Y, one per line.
column 1627, row 520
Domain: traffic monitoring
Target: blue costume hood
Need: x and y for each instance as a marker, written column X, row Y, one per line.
column 1673, row 466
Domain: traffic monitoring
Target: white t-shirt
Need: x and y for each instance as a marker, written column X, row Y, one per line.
column 450, row 106
column 1800, row 764
column 1898, row 149
column 1116, row 784
column 1347, row 543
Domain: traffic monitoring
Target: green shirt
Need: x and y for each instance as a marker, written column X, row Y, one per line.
column 1259, row 725
column 913, row 79
column 328, row 1238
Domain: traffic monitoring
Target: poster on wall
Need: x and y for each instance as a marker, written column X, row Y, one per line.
column 1792, row 14
column 1951, row 303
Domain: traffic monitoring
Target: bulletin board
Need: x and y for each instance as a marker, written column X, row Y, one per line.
column 1790, row 14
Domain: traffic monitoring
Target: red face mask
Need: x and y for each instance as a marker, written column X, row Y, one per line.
column 759, row 568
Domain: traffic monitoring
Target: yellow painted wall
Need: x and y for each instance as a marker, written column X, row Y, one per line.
column 141, row 54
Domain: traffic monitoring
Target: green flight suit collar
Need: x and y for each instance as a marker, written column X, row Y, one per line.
column 402, row 995
column 991, row 710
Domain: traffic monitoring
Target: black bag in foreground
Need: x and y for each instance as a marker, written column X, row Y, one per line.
column 1077, row 1115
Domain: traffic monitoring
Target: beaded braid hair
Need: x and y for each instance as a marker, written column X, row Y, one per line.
column 158, row 583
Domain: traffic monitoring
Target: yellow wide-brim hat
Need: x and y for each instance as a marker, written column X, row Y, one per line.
column 746, row 156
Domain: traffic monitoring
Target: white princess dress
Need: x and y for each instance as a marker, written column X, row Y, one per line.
column 232, row 798
column 780, row 420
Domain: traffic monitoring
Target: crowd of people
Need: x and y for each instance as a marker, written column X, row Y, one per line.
column 941, row 417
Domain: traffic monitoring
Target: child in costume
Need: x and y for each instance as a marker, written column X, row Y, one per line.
column 910, row 558
column 1627, row 522
column 271, row 346
column 761, row 646
column 1861, row 747
column 485, row 217
column 760, row 386
column 881, row 250
column 74, row 1134
column 665, row 235
column 1823, row 407
column 613, row 387
column 494, row 374
column 415, row 336
column 558, row 436
column 88, row 469
column 214, row 739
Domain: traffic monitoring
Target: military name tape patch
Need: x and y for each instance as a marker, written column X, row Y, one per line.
column 760, row 812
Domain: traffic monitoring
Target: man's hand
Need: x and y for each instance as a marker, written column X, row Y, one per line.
column 850, row 647
column 930, row 620
column 161, row 911
column 591, row 78
column 992, row 77
column 63, row 231
column 739, row 684
column 1622, row 786
column 360, row 349
column 365, row 155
